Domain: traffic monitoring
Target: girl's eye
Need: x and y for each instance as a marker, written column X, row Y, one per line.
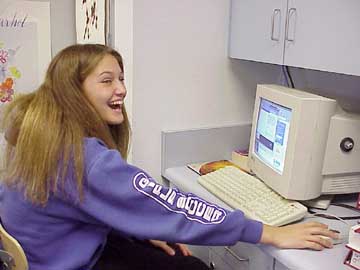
column 107, row 81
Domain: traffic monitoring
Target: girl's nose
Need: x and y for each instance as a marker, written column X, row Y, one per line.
column 120, row 88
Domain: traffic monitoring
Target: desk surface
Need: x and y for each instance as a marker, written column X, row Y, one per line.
column 329, row 259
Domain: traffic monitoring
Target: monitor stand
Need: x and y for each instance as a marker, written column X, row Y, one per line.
column 321, row 202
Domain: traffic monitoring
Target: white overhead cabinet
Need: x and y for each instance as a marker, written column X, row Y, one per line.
column 321, row 34
column 256, row 30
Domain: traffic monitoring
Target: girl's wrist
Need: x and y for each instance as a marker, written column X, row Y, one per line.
column 268, row 234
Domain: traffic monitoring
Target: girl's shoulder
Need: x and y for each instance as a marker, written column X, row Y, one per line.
column 92, row 142
column 95, row 149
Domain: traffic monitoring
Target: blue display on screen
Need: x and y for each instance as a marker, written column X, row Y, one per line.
column 272, row 131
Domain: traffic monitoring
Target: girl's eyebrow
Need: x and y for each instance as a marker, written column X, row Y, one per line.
column 106, row 72
column 110, row 73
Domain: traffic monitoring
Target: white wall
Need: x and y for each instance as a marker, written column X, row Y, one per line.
column 181, row 77
column 123, row 42
column 62, row 22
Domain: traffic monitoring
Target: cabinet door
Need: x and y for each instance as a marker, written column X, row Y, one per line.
column 257, row 30
column 201, row 252
column 257, row 258
column 242, row 256
column 222, row 259
column 323, row 35
column 279, row 266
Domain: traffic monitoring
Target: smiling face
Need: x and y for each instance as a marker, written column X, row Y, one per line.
column 105, row 89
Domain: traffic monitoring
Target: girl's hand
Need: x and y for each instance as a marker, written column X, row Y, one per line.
column 168, row 249
column 302, row 235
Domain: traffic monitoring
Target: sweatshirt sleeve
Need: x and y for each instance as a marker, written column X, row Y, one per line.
column 127, row 199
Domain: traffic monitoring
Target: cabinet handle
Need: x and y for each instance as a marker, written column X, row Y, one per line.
column 275, row 12
column 236, row 256
column 212, row 265
column 291, row 11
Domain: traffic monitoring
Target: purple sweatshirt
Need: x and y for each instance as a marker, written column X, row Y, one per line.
column 69, row 234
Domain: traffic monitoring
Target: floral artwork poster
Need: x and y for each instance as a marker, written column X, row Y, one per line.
column 25, row 46
column 19, row 70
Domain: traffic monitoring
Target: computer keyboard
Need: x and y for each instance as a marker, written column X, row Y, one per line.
column 242, row 191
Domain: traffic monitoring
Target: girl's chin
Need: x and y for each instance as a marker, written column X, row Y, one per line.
column 115, row 121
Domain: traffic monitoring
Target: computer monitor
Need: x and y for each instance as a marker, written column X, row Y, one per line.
column 303, row 145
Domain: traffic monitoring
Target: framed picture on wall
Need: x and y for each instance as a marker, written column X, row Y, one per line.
column 92, row 21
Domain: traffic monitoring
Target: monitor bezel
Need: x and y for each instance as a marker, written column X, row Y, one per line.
column 305, row 152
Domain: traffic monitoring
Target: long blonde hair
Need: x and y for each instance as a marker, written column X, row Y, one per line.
column 52, row 122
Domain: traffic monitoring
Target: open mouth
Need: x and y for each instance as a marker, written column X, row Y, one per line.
column 115, row 105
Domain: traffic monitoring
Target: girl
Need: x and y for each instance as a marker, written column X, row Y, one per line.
column 68, row 184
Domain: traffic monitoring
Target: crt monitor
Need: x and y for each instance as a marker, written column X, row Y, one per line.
column 303, row 145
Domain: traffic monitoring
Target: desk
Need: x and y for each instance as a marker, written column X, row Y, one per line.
column 329, row 259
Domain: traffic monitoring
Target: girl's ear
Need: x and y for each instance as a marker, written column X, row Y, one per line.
column 11, row 135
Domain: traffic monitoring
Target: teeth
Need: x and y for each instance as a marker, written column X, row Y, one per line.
column 118, row 102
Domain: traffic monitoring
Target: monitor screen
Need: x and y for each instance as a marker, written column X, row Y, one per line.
column 272, row 131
